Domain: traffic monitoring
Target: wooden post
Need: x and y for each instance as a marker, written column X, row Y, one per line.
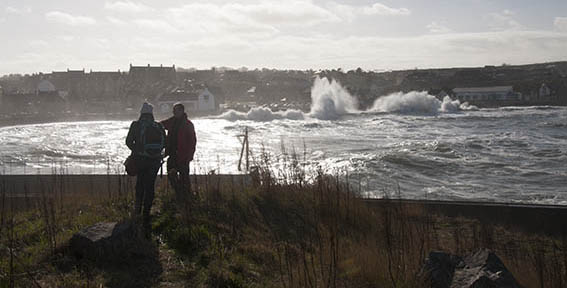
column 247, row 150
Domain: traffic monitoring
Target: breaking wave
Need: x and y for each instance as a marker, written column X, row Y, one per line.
column 262, row 114
column 330, row 101
column 418, row 103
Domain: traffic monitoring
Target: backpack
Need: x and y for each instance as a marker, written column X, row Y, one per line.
column 152, row 138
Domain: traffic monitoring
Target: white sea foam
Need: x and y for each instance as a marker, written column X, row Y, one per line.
column 330, row 100
column 412, row 102
column 418, row 103
column 262, row 114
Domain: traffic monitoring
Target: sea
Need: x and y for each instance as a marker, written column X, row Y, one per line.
column 409, row 145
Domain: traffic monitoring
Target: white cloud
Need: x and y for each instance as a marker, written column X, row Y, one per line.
column 65, row 38
column 330, row 51
column 346, row 12
column 302, row 52
column 127, row 6
column 504, row 21
column 68, row 19
column 39, row 44
column 155, row 24
column 435, row 27
column 288, row 12
column 351, row 12
column 17, row 11
column 263, row 17
column 116, row 21
column 381, row 9
column 100, row 43
column 560, row 23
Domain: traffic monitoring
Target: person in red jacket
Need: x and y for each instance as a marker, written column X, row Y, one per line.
column 180, row 147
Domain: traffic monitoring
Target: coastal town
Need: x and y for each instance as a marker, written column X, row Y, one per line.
column 115, row 94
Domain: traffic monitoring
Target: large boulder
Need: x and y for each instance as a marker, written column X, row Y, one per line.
column 103, row 240
column 481, row 269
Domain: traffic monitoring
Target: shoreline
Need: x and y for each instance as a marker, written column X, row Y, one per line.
column 20, row 184
column 46, row 119
column 17, row 120
column 533, row 218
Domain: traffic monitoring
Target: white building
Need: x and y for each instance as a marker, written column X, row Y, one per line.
column 486, row 94
column 201, row 100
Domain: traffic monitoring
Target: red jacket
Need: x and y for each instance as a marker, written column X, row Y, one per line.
column 186, row 139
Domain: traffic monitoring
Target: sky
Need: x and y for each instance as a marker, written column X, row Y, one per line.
column 44, row 36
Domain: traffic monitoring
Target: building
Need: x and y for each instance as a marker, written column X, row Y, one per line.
column 488, row 95
column 48, row 99
column 544, row 91
column 152, row 74
column 195, row 100
column 71, row 81
column 148, row 82
column 44, row 86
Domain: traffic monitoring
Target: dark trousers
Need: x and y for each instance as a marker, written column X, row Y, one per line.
column 145, row 187
column 178, row 176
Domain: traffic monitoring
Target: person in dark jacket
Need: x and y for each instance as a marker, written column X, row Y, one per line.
column 146, row 139
column 181, row 142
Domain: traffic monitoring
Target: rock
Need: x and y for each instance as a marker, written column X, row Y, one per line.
column 439, row 268
column 103, row 240
column 481, row 269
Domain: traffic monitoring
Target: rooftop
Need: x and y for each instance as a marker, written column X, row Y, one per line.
column 483, row 89
column 179, row 95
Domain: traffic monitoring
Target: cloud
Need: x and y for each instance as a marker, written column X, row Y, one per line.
column 100, row 43
column 284, row 13
column 560, row 23
column 503, row 21
column 435, row 27
column 303, row 52
column 68, row 19
column 352, row 12
column 39, row 44
column 381, row 9
column 116, row 21
column 263, row 17
column 372, row 52
column 65, row 38
column 155, row 24
column 127, row 7
column 17, row 11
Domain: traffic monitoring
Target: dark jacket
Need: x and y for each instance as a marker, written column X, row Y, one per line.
column 133, row 140
column 186, row 139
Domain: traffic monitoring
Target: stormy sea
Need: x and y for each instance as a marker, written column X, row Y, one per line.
column 410, row 145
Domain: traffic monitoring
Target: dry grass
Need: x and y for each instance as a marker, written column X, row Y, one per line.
column 279, row 229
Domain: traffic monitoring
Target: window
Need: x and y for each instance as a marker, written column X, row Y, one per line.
column 206, row 98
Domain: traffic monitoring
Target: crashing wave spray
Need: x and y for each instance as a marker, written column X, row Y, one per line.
column 262, row 114
column 329, row 100
column 418, row 103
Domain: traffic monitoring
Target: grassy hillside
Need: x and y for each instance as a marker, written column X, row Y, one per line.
column 268, row 233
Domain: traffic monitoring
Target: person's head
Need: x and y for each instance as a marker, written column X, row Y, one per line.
column 178, row 110
column 147, row 108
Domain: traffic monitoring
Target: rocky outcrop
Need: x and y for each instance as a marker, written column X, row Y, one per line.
column 477, row 270
column 103, row 240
